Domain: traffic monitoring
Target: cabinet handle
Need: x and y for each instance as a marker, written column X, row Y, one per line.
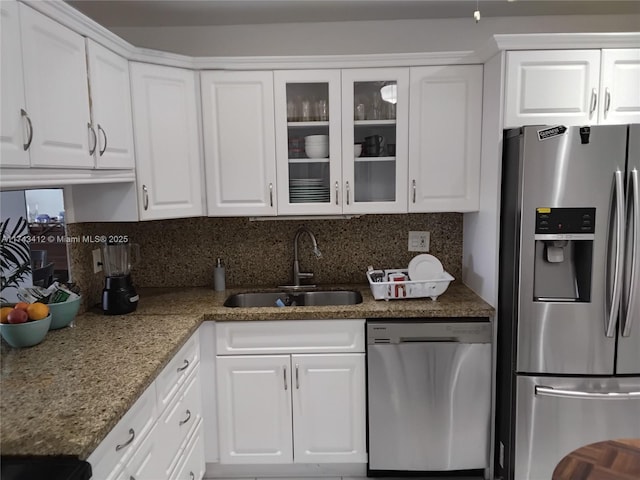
column 30, row 128
column 336, row 193
column 122, row 445
column 413, row 187
column 184, row 366
column 104, row 134
column 271, row 194
column 182, row 422
column 347, row 193
column 297, row 378
column 607, row 100
column 284, row 376
column 594, row 101
column 95, row 139
column 145, row 192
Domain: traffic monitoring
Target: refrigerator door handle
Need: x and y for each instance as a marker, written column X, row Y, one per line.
column 616, row 294
column 631, row 296
column 557, row 392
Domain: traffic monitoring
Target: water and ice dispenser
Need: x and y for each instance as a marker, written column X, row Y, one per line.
column 563, row 254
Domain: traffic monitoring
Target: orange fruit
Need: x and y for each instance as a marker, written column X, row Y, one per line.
column 37, row 311
column 5, row 312
column 22, row 306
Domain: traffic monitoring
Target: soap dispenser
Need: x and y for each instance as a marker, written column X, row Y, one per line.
column 218, row 276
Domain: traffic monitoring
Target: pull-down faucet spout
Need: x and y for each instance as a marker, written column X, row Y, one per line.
column 297, row 274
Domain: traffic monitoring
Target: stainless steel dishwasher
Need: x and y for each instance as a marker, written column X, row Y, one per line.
column 429, row 395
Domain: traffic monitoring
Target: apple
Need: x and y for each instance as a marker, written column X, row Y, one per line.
column 17, row 316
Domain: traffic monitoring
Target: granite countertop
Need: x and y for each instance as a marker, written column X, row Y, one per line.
column 63, row 396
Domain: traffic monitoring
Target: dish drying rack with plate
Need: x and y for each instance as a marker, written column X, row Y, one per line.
column 384, row 289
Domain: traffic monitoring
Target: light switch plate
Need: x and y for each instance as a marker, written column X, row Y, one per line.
column 97, row 260
column 419, row 241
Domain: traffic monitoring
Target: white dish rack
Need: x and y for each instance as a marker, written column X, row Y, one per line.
column 384, row 289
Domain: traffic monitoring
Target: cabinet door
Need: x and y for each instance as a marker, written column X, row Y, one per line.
column 237, row 111
column 444, row 148
column 620, row 86
column 329, row 408
column 552, row 87
column 14, row 130
column 375, row 140
column 254, row 409
column 308, row 141
column 168, row 163
column 145, row 462
column 57, row 96
column 110, row 107
column 193, row 465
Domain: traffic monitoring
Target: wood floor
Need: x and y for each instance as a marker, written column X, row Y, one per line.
column 610, row 460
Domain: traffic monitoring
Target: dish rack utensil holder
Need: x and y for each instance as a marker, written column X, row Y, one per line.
column 384, row 289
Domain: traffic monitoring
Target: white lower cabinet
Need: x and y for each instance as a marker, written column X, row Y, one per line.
column 178, row 423
column 156, row 440
column 254, row 409
column 193, row 464
column 291, row 407
column 328, row 395
column 144, row 463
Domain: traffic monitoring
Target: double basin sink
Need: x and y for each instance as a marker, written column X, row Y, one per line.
column 294, row 298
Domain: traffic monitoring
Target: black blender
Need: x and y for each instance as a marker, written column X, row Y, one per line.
column 118, row 296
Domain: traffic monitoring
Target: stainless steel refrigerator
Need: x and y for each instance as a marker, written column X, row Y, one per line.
column 569, row 300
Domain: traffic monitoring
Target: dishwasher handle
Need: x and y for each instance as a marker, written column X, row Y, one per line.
column 428, row 340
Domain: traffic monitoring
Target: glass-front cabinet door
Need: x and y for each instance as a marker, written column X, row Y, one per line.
column 308, row 147
column 375, row 140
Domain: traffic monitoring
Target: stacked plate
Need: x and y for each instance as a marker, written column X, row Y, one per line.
column 308, row 190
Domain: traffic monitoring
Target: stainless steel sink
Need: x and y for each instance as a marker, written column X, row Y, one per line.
column 294, row 299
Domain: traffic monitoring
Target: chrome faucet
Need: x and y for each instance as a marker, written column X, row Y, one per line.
column 297, row 274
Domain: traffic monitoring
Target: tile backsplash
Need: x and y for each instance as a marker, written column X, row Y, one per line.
column 182, row 252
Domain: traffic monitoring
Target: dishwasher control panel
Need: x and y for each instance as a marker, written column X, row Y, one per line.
column 396, row 332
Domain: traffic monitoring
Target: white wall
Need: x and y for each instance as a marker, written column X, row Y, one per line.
column 393, row 36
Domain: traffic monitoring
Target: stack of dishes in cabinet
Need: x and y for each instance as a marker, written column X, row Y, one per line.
column 308, row 190
column 316, row 146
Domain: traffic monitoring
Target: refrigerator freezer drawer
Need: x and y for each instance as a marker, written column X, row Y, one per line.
column 555, row 416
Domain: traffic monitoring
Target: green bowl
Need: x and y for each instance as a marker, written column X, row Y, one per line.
column 63, row 313
column 26, row 334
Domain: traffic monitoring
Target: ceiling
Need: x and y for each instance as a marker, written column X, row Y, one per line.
column 156, row 13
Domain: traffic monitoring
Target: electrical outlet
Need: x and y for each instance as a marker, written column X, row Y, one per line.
column 419, row 241
column 97, row 260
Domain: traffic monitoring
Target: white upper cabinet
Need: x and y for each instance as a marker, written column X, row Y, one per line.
column 57, row 97
column 620, row 86
column 444, row 138
column 110, row 107
column 375, row 137
column 548, row 87
column 308, row 141
column 14, row 125
column 167, row 142
column 238, row 129
column 572, row 87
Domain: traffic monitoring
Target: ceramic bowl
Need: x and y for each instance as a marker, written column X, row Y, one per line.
column 357, row 149
column 27, row 334
column 316, row 139
column 62, row 314
column 317, row 151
